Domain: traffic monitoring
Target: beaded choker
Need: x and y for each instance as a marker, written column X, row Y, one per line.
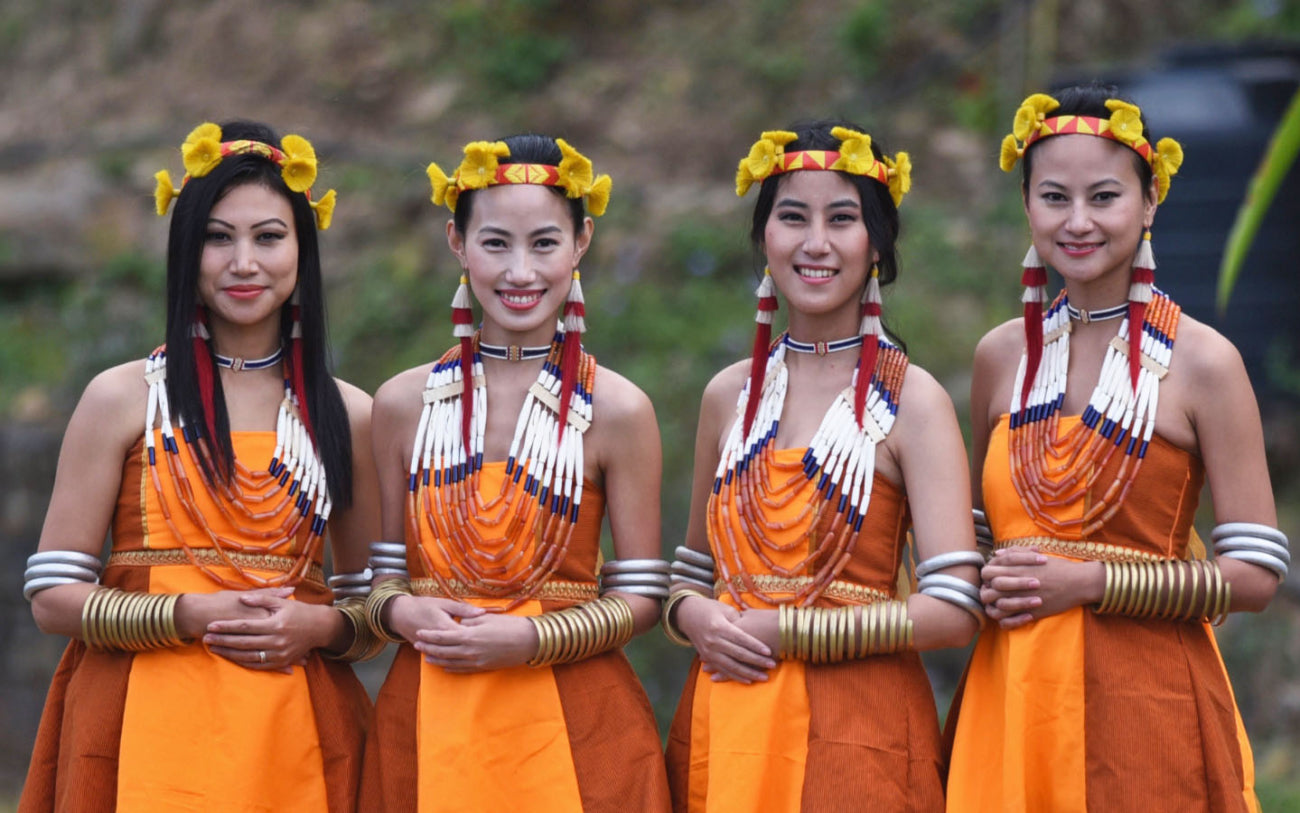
column 1099, row 315
column 821, row 348
column 291, row 489
column 1049, row 471
column 237, row 364
column 483, row 538
column 841, row 461
column 513, row 352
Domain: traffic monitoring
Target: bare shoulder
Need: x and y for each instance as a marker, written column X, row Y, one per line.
column 356, row 400
column 922, row 394
column 401, row 393
column 1204, row 357
column 618, row 401
column 112, row 407
column 724, row 388
column 1001, row 344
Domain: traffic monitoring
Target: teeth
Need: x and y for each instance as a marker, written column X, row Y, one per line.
column 815, row 273
column 520, row 299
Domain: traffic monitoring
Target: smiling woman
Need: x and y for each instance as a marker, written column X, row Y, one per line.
column 811, row 460
column 510, row 690
column 213, row 608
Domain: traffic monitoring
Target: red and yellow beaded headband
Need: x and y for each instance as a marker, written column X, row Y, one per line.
column 768, row 157
column 1123, row 126
column 482, row 168
column 203, row 150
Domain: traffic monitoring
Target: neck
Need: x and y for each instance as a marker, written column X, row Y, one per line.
column 246, row 342
column 826, row 327
column 540, row 336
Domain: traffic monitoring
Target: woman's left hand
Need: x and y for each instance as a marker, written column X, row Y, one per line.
column 279, row 641
column 1021, row 585
column 479, row 644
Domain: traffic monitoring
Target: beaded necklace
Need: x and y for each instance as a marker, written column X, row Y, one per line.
column 513, row 352
column 841, row 460
column 1048, row 470
column 238, row 364
column 821, row 348
column 291, row 489
column 482, row 538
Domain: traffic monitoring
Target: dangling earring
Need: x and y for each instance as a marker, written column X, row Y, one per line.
column 1139, row 294
column 767, row 305
column 870, row 331
column 199, row 336
column 462, row 327
column 575, row 324
column 1034, row 279
column 298, row 374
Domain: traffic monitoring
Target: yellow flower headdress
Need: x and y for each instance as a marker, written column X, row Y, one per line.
column 1124, row 125
column 203, row 150
column 769, row 157
column 482, row 168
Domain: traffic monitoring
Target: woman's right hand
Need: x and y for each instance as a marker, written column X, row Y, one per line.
column 194, row 611
column 727, row 651
column 409, row 615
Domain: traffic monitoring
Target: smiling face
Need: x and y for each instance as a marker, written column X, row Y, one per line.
column 1087, row 209
column 249, row 264
column 519, row 250
column 818, row 249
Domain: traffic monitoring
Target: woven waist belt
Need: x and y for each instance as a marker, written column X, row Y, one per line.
column 551, row 590
column 209, row 557
column 840, row 590
column 1081, row 549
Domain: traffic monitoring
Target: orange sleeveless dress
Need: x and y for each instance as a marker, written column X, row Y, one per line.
column 858, row 735
column 570, row 737
column 1080, row 711
column 181, row 728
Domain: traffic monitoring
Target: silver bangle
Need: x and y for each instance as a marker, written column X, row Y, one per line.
column 693, row 557
column 651, row 591
column 634, row 566
column 962, row 600
column 1264, row 560
column 51, row 568
column 347, row 585
column 680, row 568
column 1255, row 543
column 680, row 581
column 943, row 561
column 66, row 557
column 1254, row 529
column 387, row 548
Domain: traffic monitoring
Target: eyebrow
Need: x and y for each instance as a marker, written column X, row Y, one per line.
column 534, row 233
column 1058, row 185
column 269, row 221
column 842, row 203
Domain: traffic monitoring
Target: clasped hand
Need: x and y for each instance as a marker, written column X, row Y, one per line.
column 1021, row 585
column 463, row 638
column 732, row 645
column 261, row 629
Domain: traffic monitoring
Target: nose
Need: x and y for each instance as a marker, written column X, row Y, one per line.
column 815, row 242
column 1080, row 219
column 244, row 258
column 519, row 271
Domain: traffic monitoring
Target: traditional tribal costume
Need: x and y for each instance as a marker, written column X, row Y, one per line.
column 571, row 730
column 1124, row 706
column 848, row 714
column 175, row 727
column 139, row 719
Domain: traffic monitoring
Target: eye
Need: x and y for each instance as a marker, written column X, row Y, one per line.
column 1053, row 197
column 1106, row 196
column 216, row 237
column 493, row 243
column 844, row 218
column 271, row 236
column 546, row 243
column 790, row 216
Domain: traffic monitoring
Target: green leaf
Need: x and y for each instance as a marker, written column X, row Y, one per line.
column 1277, row 161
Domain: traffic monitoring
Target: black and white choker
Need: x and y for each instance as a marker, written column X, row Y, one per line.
column 821, row 348
column 1099, row 315
column 237, row 364
column 513, row 352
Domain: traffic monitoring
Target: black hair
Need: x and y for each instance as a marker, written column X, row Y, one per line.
column 1090, row 100
column 879, row 212
column 185, row 241
column 529, row 148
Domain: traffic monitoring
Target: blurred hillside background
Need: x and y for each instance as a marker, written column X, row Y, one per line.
column 666, row 97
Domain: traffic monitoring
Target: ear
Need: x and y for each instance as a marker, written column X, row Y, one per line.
column 583, row 240
column 456, row 242
column 1150, row 205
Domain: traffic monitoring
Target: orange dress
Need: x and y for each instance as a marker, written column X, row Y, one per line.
column 569, row 737
column 858, row 735
column 181, row 728
column 1080, row 711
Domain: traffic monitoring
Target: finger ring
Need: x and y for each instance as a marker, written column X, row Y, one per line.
column 261, row 656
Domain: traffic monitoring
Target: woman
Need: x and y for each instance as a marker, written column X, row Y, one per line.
column 195, row 678
column 1101, row 687
column 810, row 464
column 510, row 690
